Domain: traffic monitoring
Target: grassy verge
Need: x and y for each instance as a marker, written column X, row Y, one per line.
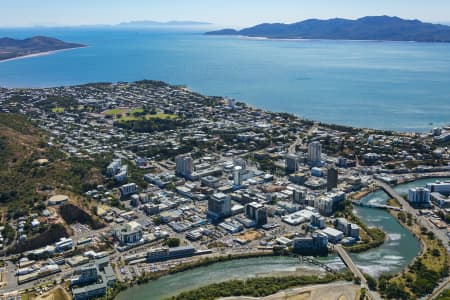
column 393, row 202
column 58, row 110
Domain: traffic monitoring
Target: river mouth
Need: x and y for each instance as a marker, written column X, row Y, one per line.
column 394, row 255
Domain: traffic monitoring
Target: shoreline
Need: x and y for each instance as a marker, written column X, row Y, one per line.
column 39, row 54
column 299, row 39
column 323, row 123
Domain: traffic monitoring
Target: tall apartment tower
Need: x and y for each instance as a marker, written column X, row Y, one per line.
column 315, row 152
column 184, row 165
column 332, row 178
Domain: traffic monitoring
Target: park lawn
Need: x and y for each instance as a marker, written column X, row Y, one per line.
column 113, row 112
column 161, row 115
column 25, row 296
column 136, row 110
column 158, row 115
column 58, row 110
column 435, row 263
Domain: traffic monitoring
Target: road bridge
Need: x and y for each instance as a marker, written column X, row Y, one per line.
column 374, row 205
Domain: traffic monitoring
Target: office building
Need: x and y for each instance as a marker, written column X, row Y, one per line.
column 163, row 254
column 129, row 233
column 298, row 178
column 64, row 244
column 114, row 167
column 371, row 158
column 332, row 178
column 184, row 165
column 441, row 200
column 219, row 206
column 317, row 221
column 349, row 229
column 128, row 189
column 84, row 275
column 341, row 162
column 299, row 195
column 334, row 235
column 257, row 212
column 91, row 281
column 316, row 244
column 441, row 187
column 330, row 203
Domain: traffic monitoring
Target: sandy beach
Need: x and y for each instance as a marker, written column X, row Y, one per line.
column 38, row 54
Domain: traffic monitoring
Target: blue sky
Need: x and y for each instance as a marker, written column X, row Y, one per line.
column 237, row 13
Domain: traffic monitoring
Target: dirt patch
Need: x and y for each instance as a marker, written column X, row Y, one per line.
column 55, row 294
column 301, row 296
column 250, row 235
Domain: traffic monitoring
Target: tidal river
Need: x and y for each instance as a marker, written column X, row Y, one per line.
column 398, row 251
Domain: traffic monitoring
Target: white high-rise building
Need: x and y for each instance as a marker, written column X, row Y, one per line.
column 315, row 152
column 184, row 165
column 237, row 176
column 419, row 195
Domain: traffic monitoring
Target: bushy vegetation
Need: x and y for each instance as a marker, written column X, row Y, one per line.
column 254, row 287
column 444, row 296
column 150, row 125
column 23, row 179
column 52, row 235
column 172, row 242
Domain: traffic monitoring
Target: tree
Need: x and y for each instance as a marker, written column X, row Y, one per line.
column 172, row 242
column 435, row 252
column 157, row 220
column 371, row 282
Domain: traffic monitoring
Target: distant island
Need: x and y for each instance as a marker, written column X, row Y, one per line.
column 146, row 23
column 383, row 28
column 12, row 48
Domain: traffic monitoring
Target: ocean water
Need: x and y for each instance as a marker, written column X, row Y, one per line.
column 388, row 85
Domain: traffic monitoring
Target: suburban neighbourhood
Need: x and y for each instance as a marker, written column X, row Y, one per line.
column 171, row 177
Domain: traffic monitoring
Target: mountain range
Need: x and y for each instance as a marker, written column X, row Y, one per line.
column 12, row 48
column 146, row 23
column 367, row 28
